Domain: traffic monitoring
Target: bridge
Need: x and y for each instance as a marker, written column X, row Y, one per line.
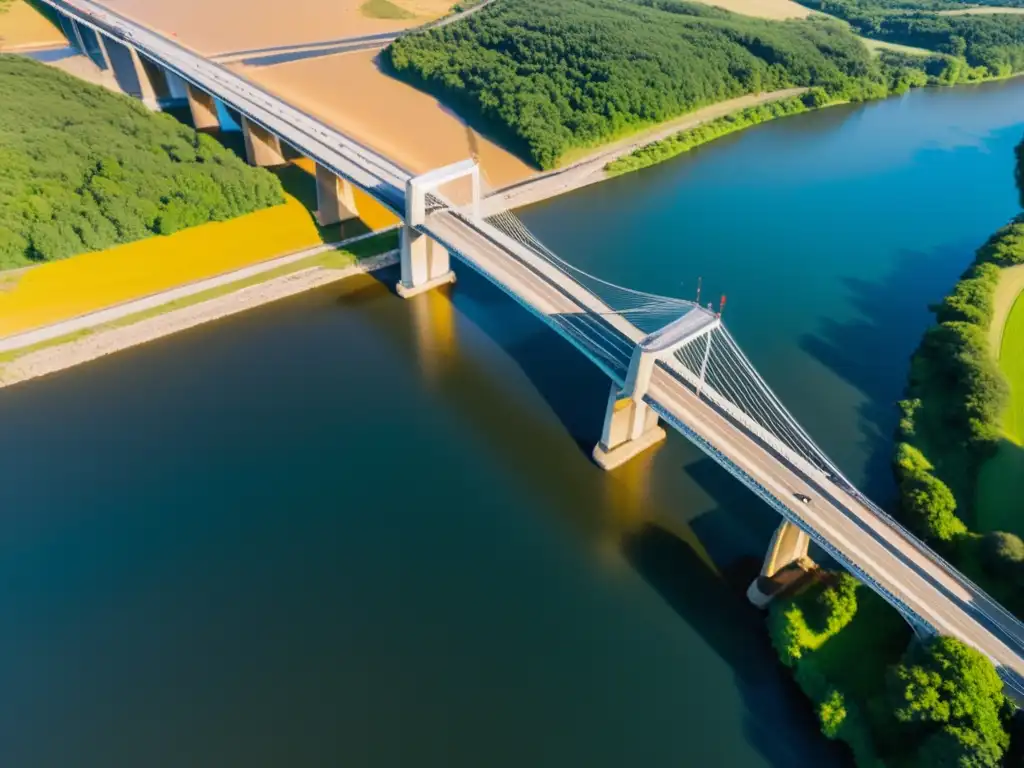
column 669, row 361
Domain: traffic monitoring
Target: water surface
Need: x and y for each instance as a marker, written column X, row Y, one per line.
column 350, row 530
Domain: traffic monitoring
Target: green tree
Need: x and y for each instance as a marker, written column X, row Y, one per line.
column 93, row 169
column 930, row 509
column 948, row 699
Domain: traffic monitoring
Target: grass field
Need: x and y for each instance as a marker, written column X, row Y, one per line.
column 1011, row 361
column 384, row 9
column 1001, row 482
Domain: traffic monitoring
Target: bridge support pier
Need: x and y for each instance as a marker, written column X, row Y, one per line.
column 335, row 198
column 262, row 148
column 786, row 565
column 425, row 264
column 177, row 88
column 203, row 108
column 630, row 426
column 130, row 72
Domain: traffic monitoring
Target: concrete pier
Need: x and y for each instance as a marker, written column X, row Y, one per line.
column 177, row 88
column 203, row 108
column 630, row 426
column 786, row 565
column 425, row 264
column 132, row 76
column 335, row 198
column 262, row 148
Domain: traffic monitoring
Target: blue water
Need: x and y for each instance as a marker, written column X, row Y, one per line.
column 350, row 530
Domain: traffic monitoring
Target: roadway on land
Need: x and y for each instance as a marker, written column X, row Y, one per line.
column 590, row 169
column 863, row 539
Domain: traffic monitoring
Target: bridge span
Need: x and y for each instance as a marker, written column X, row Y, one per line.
column 669, row 361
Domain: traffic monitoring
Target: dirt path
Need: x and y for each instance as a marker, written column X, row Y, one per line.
column 106, row 342
column 590, row 169
column 1011, row 285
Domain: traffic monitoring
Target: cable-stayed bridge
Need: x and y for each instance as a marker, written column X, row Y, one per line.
column 669, row 361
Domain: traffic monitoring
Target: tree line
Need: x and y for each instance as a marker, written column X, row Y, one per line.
column 994, row 42
column 950, row 423
column 85, row 169
column 547, row 76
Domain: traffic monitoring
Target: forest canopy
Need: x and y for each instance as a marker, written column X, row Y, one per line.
column 993, row 41
column 85, row 169
column 547, row 76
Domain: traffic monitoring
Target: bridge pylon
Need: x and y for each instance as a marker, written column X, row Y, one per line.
column 425, row 262
column 630, row 425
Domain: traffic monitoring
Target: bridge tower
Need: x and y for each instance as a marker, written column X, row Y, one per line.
column 425, row 262
column 630, row 425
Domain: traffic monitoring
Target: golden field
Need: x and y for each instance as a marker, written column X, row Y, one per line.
column 221, row 27
column 409, row 126
column 23, row 27
column 64, row 289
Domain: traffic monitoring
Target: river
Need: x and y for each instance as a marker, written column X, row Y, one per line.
column 349, row 530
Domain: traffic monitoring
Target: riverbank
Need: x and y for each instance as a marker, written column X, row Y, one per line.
column 593, row 168
column 175, row 311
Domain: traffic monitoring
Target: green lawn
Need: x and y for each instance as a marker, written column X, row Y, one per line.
column 1011, row 360
column 1001, row 482
column 384, row 9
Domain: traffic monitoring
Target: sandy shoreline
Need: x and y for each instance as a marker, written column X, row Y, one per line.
column 105, row 342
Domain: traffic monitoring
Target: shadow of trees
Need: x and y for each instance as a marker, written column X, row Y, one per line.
column 888, row 327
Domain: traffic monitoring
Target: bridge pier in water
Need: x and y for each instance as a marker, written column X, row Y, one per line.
column 425, row 262
column 335, row 198
column 786, row 565
column 630, row 425
column 262, row 147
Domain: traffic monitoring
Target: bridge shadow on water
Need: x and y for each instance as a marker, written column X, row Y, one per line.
column 872, row 350
column 699, row 567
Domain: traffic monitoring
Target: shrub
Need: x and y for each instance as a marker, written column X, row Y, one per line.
column 930, row 509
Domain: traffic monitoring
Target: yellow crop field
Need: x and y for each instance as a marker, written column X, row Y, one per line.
column 22, row 26
column 64, row 289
